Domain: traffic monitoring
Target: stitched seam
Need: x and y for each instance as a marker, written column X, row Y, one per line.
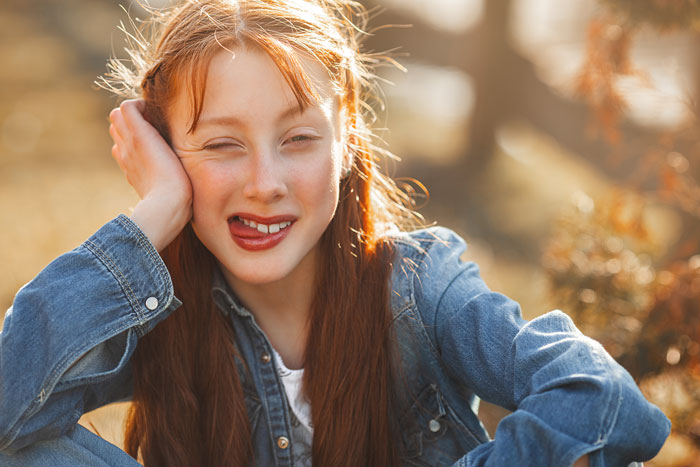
column 423, row 254
column 464, row 306
column 614, row 404
column 112, row 331
column 63, row 364
column 419, row 318
column 403, row 310
column 143, row 242
column 118, row 275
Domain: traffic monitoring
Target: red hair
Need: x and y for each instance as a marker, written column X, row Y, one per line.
column 188, row 405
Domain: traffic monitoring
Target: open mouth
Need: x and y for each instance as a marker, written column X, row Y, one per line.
column 263, row 228
column 256, row 234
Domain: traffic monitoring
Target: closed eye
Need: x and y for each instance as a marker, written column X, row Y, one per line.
column 222, row 145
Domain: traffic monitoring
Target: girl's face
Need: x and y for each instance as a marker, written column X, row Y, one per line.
column 265, row 175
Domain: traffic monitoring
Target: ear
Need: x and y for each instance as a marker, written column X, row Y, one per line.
column 348, row 159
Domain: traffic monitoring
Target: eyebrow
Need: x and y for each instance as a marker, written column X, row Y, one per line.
column 228, row 120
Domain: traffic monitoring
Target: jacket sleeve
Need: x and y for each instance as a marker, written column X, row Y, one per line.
column 67, row 339
column 567, row 395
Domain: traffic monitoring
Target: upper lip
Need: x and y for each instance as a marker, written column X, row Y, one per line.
column 262, row 219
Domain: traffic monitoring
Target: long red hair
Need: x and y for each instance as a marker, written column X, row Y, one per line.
column 188, row 404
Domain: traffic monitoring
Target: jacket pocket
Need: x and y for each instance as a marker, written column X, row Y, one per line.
column 432, row 436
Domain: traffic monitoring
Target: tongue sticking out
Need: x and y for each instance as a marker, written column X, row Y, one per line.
column 237, row 227
column 253, row 236
column 249, row 229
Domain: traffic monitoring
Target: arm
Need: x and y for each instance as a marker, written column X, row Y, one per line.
column 67, row 339
column 568, row 396
column 155, row 172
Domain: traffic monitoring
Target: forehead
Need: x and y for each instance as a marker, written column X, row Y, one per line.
column 246, row 81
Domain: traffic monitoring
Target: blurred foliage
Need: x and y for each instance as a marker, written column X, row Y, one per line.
column 607, row 58
column 663, row 14
column 677, row 393
column 600, row 266
column 677, row 184
column 603, row 265
column 672, row 323
column 599, row 263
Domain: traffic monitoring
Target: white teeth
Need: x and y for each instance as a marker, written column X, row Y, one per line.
column 264, row 228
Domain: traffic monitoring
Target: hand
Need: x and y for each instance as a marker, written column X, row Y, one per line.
column 155, row 172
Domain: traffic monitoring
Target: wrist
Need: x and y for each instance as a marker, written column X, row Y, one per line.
column 161, row 220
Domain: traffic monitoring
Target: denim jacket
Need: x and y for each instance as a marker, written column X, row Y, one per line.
column 67, row 341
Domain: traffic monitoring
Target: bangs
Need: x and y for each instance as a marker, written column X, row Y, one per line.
column 286, row 58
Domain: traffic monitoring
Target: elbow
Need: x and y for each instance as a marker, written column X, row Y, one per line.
column 55, row 419
column 639, row 428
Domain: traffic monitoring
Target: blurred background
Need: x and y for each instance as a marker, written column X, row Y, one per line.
column 560, row 139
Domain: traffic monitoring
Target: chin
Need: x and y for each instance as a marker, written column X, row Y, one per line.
column 258, row 279
column 256, row 275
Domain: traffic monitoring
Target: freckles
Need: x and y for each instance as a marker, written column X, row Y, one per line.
column 211, row 189
column 211, row 176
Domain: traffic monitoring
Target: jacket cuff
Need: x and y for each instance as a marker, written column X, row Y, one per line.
column 134, row 263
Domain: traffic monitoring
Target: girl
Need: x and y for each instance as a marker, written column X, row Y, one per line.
column 262, row 304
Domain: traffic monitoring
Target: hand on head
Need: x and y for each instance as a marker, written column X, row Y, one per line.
column 155, row 172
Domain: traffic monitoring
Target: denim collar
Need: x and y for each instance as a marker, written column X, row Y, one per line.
column 224, row 297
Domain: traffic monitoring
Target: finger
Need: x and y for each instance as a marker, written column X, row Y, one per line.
column 141, row 105
column 116, row 137
column 118, row 147
column 114, row 114
column 130, row 112
column 116, row 118
column 116, row 154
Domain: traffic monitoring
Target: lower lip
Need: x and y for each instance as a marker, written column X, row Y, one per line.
column 252, row 240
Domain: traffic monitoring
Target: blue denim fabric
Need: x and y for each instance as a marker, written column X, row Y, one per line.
column 67, row 340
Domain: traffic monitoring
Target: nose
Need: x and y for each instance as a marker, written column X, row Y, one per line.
column 266, row 177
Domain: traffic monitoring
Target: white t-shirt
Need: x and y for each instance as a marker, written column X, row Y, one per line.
column 302, row 428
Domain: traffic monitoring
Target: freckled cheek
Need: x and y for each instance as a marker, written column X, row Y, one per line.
column 212, row 189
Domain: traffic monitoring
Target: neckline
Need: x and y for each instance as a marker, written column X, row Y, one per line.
column 283, row 369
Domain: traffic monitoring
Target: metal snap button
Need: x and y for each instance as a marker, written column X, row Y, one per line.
column 434, row 425
column 151, row 303
column 282, row 442
column 265, row 357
